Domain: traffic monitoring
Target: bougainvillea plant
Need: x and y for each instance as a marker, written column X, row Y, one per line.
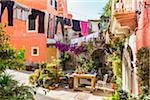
column 68, row 47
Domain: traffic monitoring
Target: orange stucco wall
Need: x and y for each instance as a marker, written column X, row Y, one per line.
column 28, row 42
column 19, row 36
column 37, row 4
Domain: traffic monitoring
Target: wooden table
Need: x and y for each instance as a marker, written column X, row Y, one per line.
column 77, row 77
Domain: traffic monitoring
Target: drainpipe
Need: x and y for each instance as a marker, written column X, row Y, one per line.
column 123, row 75
column 112, row 9
column 134, row 5
column 112, row 15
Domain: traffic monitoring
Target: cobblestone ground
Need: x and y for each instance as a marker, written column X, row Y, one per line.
column 22, row 77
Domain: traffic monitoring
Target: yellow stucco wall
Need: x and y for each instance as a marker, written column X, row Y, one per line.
column 51, row 52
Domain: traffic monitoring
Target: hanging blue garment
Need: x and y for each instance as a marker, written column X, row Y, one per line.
column 41, row 16
column 9, row 5
column 99, row 26
column 61, row 20
column 48, row 27
column 76, row 25
column 55, row 4
column 67, row 21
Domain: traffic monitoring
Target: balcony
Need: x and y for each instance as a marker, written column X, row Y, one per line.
column 124, row 19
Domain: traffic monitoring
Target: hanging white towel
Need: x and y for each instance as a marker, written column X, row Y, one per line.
column 21, row 12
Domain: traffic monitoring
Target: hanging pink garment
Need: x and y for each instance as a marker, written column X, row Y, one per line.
column 84, row 28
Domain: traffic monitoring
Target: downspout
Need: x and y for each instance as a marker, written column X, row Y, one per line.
column 123, row 74
column 112, row 9
column 112, row 16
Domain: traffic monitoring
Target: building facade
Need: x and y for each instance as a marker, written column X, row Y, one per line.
column 34, row 26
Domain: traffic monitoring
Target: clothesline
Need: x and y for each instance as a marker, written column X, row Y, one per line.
column 86, row 38
column 56, row 15
column 31, row 14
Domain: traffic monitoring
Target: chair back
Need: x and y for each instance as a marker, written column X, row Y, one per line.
column 105, row 77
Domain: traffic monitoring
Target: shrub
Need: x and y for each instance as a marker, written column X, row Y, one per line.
column 9, row 58
column 47, row 72
column 9, row 90
column 143, row 72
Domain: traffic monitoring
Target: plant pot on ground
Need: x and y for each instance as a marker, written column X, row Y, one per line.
column 17, row 68
column 123, row 95
column 52, row 87
column 48, row 81
column 33, row 78
column 29, row 68
column 114, row 84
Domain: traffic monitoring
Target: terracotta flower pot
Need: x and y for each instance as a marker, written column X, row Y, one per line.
column 17, row 68
column 114, row 86
column 52, row 87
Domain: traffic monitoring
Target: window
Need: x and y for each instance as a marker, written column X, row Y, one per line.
column 53, row 3
column 35, row 51
column 20, row 14
column 63, row 2
column 32, row 24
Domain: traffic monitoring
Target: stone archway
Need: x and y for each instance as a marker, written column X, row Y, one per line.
column 127, row 68
column 98, row 57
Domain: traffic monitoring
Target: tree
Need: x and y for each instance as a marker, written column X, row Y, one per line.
column 8, row 55
column 107, row 9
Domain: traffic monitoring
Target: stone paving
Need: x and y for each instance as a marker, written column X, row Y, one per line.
column 52, row 94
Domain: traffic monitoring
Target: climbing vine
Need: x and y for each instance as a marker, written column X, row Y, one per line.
column 143, row 72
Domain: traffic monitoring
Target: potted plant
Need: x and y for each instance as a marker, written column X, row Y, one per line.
column 47, row 81
column 113, row 81
column 33, row 78
column 78, row 70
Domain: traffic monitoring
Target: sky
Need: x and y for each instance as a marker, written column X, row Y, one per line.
column 86, row 9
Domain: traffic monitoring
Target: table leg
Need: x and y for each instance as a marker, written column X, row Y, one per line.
column 78, row 81
column 93, row 84
column 75, row 83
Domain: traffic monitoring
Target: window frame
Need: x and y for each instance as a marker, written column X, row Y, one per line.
column 63, row 3
column 52, row 3
column 32, row 51
column 36, row 25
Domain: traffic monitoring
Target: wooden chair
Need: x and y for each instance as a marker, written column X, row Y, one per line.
column 103, row 84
